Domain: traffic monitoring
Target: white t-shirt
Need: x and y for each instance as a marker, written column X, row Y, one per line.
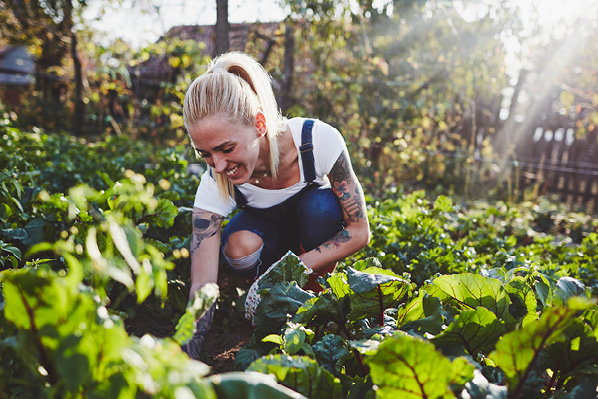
column 328, row 145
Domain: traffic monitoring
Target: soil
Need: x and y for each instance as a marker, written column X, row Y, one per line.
column 230, row 330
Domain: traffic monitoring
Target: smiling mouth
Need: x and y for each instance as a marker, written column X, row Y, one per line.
column 232, row 171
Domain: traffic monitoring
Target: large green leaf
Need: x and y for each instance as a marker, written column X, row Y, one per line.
column 288, row 268
column 279, row 304
column 301, row 374
column 578, row 350
column 468, row 291
column 408, row 368
column 422, row 314
column 326, row 304
column 250, row 385
column 375, row 290
column 517, row 352
column 473, row 331
column 332, row 352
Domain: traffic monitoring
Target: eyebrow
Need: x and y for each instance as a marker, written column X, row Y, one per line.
column 218, row 147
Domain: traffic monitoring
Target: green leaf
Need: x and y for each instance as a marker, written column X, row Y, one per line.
column 473, row 330
column 480, row 388
column 332, row 352
column 517, row 352
column 29, row 235
column 468, row 291
column 363, row 264
column 294, row 338
column 278, row 305
column 288, row 268
column 301, row 374
column 566, row 288
column 162, row 216
column 11, row 249
column 422, row 314
column 363, row 282
column 577, row 350
column 250, row 385
column 375, row 292
column 523, row 300
column 326, row 304
column 406, row 367
column 443, row 204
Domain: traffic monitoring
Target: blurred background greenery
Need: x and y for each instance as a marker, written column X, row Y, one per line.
column 492, row 99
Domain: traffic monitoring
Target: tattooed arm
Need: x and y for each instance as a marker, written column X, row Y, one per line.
column 205, row 248
column 356, row 234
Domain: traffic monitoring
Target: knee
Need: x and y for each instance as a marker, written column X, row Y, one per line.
column 241, row 244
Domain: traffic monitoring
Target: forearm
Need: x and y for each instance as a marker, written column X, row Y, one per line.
column 344, row 243
column 205, row 248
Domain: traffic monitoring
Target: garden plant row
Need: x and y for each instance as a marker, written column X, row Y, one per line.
column 449, row 300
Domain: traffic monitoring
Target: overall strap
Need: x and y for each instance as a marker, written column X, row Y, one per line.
column 240, row 198
column 306, row 149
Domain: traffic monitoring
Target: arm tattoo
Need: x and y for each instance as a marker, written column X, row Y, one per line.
column 342, row 177
column 335, row 241
column 204, row 226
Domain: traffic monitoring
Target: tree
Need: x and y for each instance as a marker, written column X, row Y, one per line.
column 221, row 38
column 47, row 27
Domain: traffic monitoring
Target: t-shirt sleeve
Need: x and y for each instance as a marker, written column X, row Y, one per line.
column 328, row 145
column 208, row 198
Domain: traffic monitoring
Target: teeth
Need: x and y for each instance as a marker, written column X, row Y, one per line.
column 232, row 171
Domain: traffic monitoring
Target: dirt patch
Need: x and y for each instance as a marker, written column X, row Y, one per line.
column 230, row 330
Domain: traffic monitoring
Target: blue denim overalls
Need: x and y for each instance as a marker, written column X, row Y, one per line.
column 300, row 223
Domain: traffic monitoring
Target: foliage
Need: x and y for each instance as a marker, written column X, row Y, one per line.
column 493, row 322
column 70, row 257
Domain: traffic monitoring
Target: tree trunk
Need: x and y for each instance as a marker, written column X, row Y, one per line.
column 285, row 101
column 79, row 111
column 221, row 39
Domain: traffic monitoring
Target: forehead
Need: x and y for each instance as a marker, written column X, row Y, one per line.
column 216, row 130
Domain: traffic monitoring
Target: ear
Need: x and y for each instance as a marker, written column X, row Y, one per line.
column 260, row 123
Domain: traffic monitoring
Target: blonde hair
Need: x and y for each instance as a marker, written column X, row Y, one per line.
column 237, row 85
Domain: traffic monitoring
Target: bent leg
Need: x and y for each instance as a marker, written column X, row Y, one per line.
column 249, row 245
column 320, row 217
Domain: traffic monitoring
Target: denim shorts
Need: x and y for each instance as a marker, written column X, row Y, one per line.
column 299, row 224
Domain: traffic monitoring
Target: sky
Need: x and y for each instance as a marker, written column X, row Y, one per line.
column 139, row 27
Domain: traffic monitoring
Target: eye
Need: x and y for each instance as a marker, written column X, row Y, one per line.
column 228, row 150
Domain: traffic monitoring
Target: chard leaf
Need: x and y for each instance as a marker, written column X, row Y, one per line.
column 367, row 281
column 480, row 388
column 250, row 385
column 301, row 374
column 422, row 314
column 517, row 352
column 364, row 264
column 469, row 291
column 373, row 293
column 523, row 300
column 566, row 288
column 288, row 268
column 326, row 305
column 339, row 286
column 473, row 331
column 332, row 352
column 277, row 305
column 578, row 349
column 408, row 368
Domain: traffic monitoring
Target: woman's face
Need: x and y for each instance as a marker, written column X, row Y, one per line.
column 230, row 148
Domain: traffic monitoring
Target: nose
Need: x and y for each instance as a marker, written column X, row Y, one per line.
column 219, row 163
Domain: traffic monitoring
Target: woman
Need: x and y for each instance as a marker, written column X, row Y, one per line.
column 292, row 180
